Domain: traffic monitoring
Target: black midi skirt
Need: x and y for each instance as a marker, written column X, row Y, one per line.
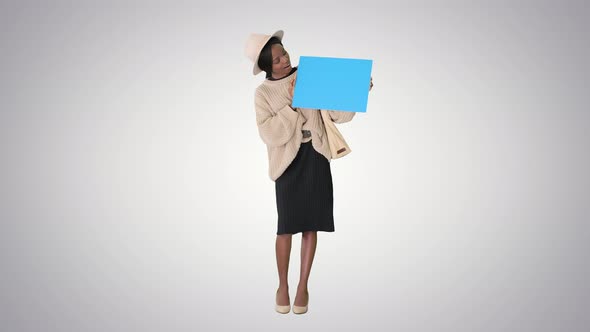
column 305, row 200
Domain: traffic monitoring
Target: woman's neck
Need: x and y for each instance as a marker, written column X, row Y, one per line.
column 289, row 74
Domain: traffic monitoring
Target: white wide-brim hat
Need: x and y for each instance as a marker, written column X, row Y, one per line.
column 255, row 44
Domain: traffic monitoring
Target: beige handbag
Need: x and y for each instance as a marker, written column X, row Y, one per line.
column 338, row 146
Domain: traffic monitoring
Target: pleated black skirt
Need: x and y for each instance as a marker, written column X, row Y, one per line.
column 305, row 200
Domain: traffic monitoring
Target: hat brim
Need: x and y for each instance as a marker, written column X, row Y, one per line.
column 279, row 34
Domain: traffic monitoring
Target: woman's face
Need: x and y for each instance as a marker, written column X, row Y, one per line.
column 281, row 64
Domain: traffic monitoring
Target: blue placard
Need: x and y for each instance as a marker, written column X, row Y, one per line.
column 337, row 84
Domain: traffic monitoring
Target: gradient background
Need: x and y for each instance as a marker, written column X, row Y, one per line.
column 134, row 191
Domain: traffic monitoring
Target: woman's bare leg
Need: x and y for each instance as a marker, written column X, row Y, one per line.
column 283, row 253
column 309, row 242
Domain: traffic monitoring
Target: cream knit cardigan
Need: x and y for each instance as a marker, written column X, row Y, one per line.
column 280, row 126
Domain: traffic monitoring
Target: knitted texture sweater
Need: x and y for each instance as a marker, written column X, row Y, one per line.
column 280, row 125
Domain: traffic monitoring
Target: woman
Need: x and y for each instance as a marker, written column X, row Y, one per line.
column 299, row 162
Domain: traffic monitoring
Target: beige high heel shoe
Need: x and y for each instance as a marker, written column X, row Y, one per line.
column 283, row 309
column 301, row 310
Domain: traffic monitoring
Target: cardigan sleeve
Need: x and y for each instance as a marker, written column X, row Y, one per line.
column 275, row 130
column 341, row 116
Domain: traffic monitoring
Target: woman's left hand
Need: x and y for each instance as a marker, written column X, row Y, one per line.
column 292, row 88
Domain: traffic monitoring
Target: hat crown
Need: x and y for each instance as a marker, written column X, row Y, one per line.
column 254, row 45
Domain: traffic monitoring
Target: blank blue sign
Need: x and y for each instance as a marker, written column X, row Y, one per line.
column 336, row 84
